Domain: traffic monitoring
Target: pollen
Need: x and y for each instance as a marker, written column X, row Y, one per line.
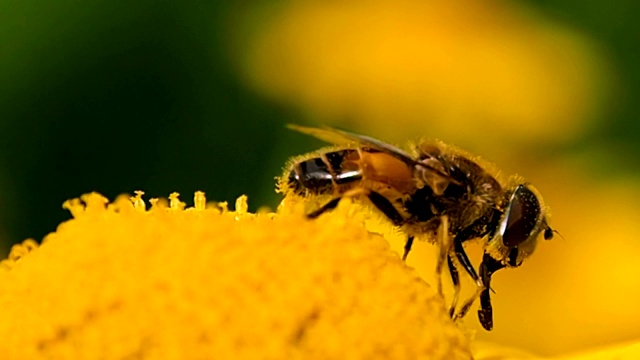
column 157, row 279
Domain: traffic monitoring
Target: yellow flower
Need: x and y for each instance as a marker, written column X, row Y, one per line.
column 119, row 281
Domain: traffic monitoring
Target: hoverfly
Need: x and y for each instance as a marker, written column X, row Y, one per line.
column 434, row 188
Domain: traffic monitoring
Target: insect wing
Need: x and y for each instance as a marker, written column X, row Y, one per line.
column 338, row 137
column 335, row 136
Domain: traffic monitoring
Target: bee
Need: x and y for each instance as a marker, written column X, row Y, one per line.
column 436, row 192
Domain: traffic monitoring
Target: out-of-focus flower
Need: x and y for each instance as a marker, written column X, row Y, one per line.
column 453, row 69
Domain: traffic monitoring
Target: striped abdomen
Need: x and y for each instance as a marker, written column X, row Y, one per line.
column 340, row 170
column 322, row 174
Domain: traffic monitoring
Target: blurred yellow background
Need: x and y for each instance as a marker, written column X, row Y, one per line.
column 508, row 82
column 186, row 96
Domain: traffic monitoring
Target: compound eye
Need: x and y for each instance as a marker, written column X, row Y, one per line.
column 521, row 218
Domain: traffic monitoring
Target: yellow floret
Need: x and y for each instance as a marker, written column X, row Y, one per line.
column 123, row 280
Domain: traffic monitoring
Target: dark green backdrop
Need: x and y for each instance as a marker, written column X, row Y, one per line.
column 117, row 96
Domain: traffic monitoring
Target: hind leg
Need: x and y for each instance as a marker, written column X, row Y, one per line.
column 333, row 203
column 324, row 208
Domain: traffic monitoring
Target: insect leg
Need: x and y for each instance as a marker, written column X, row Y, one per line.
column 487, row 268
column 478, row 229
column 470, row 232
column 455, row 278
column 444, row 249
column 386, row 207
column 407, row 247
column 467, row 304
column 324, row 208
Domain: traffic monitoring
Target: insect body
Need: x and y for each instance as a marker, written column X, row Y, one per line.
column 435, row 189
column 377, row 175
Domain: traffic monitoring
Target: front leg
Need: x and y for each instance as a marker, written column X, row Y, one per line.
column 473, row 231
column 462, row 257
column 478, row 229
column 488, row 267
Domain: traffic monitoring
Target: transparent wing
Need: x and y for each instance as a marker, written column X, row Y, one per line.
column 339, row 137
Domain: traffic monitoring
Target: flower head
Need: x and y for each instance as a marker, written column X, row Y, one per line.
column 124, row 280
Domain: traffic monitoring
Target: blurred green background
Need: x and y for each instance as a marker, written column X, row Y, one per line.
column 119, row 96
column 165, row 96
column 113, row 97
